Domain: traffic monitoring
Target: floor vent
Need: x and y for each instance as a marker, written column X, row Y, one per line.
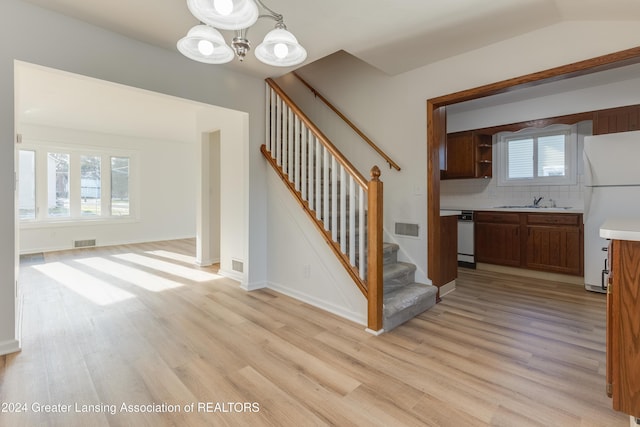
column 405, row 229
column 84, row 243
column 237, row 266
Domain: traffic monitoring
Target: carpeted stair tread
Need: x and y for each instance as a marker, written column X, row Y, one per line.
column 407, row 302
column 397, row 275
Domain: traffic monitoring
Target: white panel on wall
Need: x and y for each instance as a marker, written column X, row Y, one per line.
column 300, row 262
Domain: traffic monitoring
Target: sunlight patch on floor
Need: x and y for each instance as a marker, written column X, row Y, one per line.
column 168, row 267
column 173, row 255
column 134, row 276
column 83, row 284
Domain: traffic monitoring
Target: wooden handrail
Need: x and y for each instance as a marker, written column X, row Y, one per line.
column 321, row 136
column 369, row 277
column 384, row 155
column 362, row 285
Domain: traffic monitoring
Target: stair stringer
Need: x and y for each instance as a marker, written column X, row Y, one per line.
column 293, row 244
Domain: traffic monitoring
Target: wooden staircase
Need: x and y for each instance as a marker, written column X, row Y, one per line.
column 346, row 209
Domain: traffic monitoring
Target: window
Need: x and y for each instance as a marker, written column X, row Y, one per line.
column 58, row 185
column 538, row 156
column 90, row 188
column 119, row 186
column 73, row 184
column 27, row 184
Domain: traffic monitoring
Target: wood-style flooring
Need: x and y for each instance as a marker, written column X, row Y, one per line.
column 141, row 325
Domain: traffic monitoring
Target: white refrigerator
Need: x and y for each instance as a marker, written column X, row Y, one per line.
column 612, row 190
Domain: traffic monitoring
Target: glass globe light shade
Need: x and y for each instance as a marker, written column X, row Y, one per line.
column 225, row 14
column 205, row 44
column 223, row 7
column 205, row 47
column 281, row 49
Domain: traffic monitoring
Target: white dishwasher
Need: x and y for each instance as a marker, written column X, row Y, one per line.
column 466, row 257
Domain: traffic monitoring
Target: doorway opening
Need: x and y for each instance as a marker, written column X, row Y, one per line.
column 436, row 130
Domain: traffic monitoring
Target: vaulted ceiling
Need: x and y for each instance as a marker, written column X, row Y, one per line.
column 394, row 36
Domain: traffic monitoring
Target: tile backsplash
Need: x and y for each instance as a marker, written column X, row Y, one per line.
column 485, row 193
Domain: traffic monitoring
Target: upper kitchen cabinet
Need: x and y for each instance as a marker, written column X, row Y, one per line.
column 468, row 154
column 613, row 120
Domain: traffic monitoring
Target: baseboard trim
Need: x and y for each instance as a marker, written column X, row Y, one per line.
column 254, row 286
column 205, row 263
column 447, row 288
column 555, row 277
column 358, row 318
column 375, row 333
column 8, row 347
column 230, row 274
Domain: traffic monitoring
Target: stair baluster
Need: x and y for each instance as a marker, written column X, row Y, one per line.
column 331, row 190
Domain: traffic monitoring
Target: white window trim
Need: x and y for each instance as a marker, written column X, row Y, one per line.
column 41, row 148
column 571, row 154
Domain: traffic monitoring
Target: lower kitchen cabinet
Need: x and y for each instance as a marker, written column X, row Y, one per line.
column 497, row 238
column 554, row 243
column 537, row 241
column 448, row 250
column 623, row 324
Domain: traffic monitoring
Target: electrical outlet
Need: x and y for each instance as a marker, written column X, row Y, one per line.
column 307, row 271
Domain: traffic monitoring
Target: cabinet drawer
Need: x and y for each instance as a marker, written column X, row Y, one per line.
column 500, row 217
column 553, row 219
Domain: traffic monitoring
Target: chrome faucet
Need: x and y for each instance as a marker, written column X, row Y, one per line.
column 536, row 201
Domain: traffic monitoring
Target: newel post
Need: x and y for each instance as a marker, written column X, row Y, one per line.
column 374, row 252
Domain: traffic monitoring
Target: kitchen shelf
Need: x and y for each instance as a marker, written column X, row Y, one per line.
column 468, row 154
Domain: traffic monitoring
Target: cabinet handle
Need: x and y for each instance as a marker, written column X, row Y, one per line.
column 605, row 271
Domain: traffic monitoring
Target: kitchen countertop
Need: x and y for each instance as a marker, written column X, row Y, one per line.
column 450, row 212
column 621, row 229
column 517, row 209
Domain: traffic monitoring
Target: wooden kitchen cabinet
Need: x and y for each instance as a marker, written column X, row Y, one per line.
column 554, row 243
column 468, row 155
column 623, row 327
column 612, row 120
column 448, row 250
column 497, row 238
column 538, row 241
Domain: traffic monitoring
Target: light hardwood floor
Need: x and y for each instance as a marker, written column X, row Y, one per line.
column 139, row 324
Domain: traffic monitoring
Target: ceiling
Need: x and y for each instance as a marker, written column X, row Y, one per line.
column 59, row 99
column 393, row 36
column 48, row 97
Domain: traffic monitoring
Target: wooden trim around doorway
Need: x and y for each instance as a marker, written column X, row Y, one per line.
column 436, row 117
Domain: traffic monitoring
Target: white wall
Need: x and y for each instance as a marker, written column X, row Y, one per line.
column 64, row 43
column 392, row 109
column 165, row 193
column 234, row 189
column 300, row 262
column 599, row 97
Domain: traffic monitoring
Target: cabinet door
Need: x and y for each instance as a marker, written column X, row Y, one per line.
column 460, row 156
column 624, row 327
column 553, row 248
column 609, row 337
column 497, row 243
column 448, row 250
column 554, row 243
column 623, row 119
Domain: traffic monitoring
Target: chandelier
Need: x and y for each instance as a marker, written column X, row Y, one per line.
column 204, row 43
